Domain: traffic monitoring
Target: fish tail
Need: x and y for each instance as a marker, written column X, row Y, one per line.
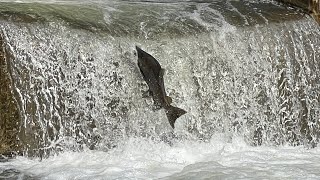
column 173, row 113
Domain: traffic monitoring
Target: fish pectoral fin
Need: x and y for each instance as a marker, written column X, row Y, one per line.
column 146, row 94
column 156, row 107
column 168, row 99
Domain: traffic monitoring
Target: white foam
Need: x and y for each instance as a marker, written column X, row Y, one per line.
column 144, row 159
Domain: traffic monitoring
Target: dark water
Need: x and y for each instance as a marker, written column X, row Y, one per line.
column 248, row 68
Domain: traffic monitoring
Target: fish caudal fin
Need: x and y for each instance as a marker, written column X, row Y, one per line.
column 173, row 113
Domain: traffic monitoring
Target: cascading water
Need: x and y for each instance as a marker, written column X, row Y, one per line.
column 239, row 68
column 85, row 86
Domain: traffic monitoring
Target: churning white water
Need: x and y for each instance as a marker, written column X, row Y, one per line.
column 137, row 158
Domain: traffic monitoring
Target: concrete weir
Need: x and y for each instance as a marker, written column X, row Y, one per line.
column 69, row 78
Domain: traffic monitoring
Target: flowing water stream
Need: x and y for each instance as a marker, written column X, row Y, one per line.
column 246, row 72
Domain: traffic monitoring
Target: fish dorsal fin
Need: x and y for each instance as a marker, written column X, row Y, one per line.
column 161, row 73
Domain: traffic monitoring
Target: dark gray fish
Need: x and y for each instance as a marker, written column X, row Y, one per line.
column 153, row 74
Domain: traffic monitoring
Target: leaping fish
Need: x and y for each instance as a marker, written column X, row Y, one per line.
column 153, row 74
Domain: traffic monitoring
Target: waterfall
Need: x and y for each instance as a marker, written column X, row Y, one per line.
column 240, row 68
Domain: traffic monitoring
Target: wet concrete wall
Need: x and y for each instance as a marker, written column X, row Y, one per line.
column 9, row 113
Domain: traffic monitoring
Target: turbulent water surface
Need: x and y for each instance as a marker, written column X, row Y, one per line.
column 246, row 72
column 220, row 158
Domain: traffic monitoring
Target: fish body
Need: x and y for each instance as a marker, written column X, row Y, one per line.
column 153, row 75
